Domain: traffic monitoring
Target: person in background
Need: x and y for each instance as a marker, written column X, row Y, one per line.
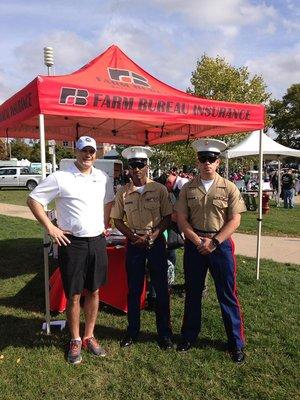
column 146, row 207
column 288, row 187
column 83, row 196
column 208, row 212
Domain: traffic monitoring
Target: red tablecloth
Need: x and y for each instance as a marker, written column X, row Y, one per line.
column 113, row 293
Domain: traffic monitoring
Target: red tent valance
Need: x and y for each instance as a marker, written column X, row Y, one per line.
column 116, row 101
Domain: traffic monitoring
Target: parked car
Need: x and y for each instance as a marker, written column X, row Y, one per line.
column 18, row 177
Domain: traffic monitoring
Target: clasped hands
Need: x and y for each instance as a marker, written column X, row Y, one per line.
column 146, row 240
column 205, row 246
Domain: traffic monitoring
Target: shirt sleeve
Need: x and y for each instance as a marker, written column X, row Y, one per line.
column 117, row 210
column 181, row 204
column 236, row 204
column 46, row 191
column 165, row 202
column 109, row 191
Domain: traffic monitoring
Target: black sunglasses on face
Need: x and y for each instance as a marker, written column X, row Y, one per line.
column 210, row 159
column 136, row 164
column 90, row 151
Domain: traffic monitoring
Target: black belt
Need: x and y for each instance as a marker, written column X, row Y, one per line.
column 86, row 239
column 143, row 231
column 208, row 234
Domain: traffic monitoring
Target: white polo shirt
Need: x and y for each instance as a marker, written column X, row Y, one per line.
column 79, row 199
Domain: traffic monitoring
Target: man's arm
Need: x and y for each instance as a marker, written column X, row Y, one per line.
column 120, row 225
column 186, row 228
column 38, row 211
column 161, row 227
column 229, row 228
column 107, row 211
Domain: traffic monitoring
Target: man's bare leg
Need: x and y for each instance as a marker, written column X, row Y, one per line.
column 91, row 305
column 73, row 315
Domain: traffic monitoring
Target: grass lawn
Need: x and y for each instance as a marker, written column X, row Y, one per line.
column 279, row 221
column 32, row 365
column 14, row 196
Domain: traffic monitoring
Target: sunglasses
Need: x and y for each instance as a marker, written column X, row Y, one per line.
column 89, row 151
column 137, row 164
column 210, row 159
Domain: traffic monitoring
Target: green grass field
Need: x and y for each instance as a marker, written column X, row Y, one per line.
column 32, row 364
column 14, row 196
column 278, row 222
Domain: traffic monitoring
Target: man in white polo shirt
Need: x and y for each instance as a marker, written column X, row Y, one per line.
column 83, row 197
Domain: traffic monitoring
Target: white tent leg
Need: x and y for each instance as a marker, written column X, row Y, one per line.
column 259, row 218
column 279, row 182
column 46, row 237
column 226, row 165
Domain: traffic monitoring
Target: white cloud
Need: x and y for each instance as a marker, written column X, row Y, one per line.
column 5, row 91
column 279, row 70
column 69, row 51
column 269, row 29
column 229, row 31
column 211, row 14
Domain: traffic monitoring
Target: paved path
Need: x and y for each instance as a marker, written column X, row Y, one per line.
column 280, row 249
column 16, row 211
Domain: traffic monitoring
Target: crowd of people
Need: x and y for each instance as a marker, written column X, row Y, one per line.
column 206, row 210
column 289, row 182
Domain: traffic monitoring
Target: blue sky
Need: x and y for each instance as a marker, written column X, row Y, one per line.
column 166, row 37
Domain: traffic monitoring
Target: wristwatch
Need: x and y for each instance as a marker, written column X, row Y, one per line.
column 215, row 241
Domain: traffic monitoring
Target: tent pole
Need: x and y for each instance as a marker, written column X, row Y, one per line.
column 259, row 218
column 279, row 182
column 46, row 237
column 226, row 165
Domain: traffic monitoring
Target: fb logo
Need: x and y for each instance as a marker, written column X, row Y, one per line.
column 125, row 76
column 72, row 96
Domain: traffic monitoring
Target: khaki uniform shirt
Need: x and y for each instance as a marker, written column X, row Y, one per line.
column 142, row 210
column 209, row 211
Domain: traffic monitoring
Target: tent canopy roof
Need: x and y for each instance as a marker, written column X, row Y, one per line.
column 250, row 147
column 114, row 100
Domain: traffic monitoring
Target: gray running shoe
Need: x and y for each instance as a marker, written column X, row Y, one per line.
column 91, row 345
column 74, row 356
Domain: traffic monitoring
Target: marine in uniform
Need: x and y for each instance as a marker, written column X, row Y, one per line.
column 146, row 208
column 208, row 212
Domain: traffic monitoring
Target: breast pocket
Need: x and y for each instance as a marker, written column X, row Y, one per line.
column 132, row 214
column 220, row 203
column 152, row 214
column 130, row 206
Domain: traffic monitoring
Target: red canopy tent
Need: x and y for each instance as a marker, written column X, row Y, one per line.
column 114, row 100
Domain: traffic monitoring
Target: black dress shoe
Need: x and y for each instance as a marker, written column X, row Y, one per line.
column 127, row 341
column 165, row 343
column 184, row 345
column 237, row 355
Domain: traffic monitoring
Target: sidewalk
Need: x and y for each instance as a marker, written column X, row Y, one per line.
column 280, row 249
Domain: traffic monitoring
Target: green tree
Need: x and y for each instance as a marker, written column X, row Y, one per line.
column 285, row 117
column 216, row 79
column 61, row 152
column 20, row 149
column 3, row 151
column 35, row 154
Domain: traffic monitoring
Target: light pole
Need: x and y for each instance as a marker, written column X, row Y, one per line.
column 49, row 59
